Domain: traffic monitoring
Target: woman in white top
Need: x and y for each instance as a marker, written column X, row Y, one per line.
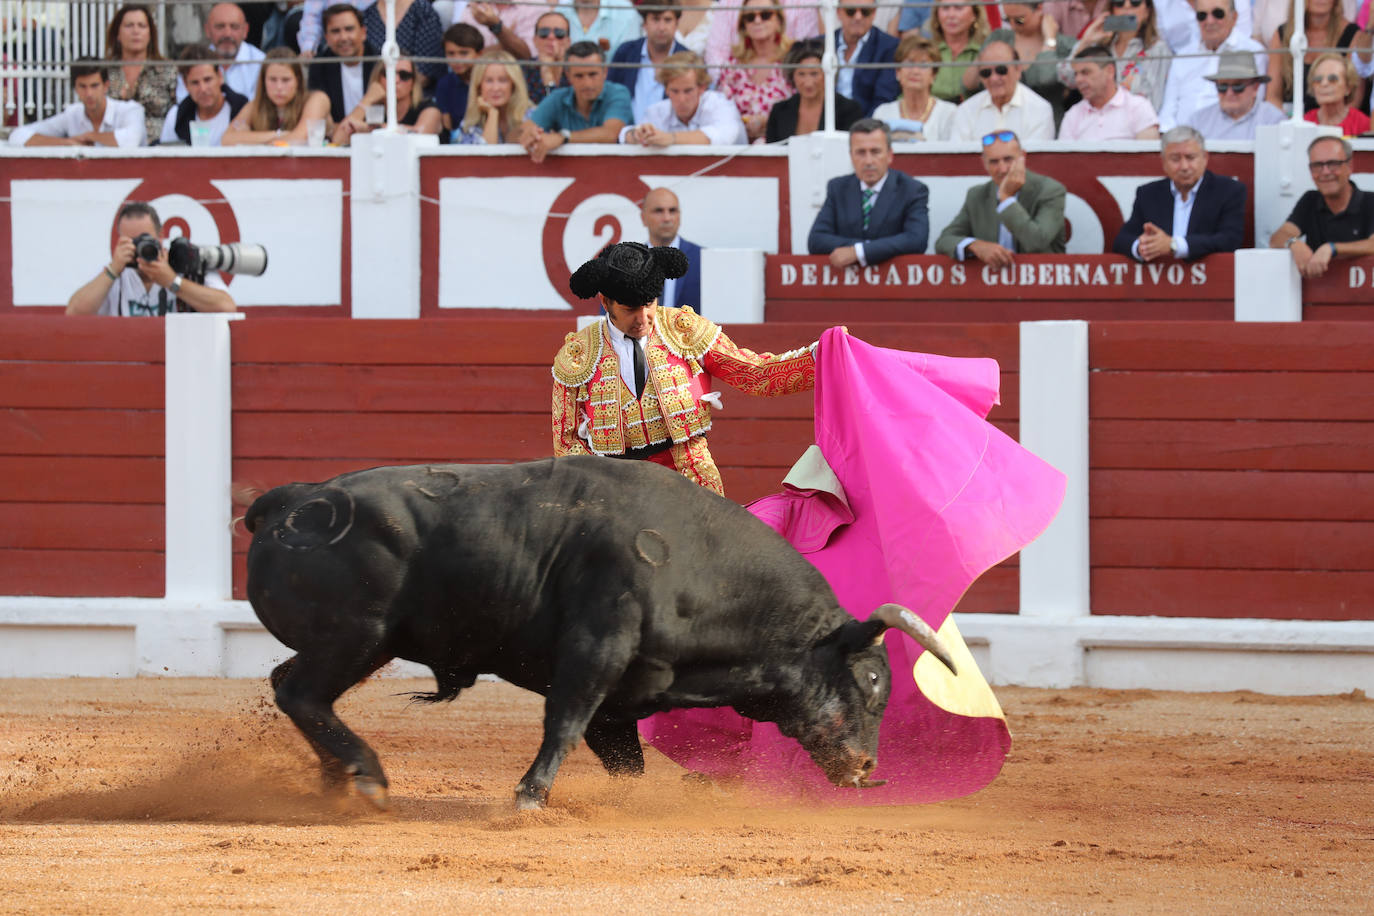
column 920, row 60
column 694, row 25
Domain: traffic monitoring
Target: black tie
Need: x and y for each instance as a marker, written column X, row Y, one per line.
column 639, row 366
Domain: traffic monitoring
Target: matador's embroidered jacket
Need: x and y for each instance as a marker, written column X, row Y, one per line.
column 594, row 411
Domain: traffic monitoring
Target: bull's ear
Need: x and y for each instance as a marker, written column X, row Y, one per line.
column 856, row 635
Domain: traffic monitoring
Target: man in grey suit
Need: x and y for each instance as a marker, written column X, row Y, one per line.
column 875, row 214
column 1018, row 212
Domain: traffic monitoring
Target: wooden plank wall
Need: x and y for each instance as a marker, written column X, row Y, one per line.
column 1232, row 469
column 314, row 398
column 81, row 466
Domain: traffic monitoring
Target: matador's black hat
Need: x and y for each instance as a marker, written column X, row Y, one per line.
column 628, row 272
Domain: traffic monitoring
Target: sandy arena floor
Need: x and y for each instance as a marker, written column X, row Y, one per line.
column 169, row 796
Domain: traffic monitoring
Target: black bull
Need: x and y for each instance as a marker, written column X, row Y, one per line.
column 616, row 589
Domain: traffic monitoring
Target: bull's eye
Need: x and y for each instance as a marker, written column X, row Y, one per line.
column 873, row 679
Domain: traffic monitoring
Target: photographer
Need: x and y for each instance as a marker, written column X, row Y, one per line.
column 133, row 285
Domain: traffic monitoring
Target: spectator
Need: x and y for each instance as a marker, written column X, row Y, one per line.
column 94, row 120
column 799, row 17
column 1187, row 89
column 131, row 39
column 874, row 214
column 282, row 28
column 590, row 110
column 606, row 23
column 209, row 105
column 315, row 20
column 694, row 26
column 551, row 42
column 227, row 31
column 462, row 44
column 911, row 21
column 917, row 114
column 281, row 107
column 415, row 114
column 343, row 81
column 959, row 31
column 1238, row 109
column 1188, row 214
column 1017, row 212
column 804, row 111
column 859, row 41
column 1036, row 37
column 1335, row 220
column 756, row 88
column 499, row 101
column 1335, row 87
column 130, row 285
column 509, row 26
column 660, row 25
column 1073, row 16
column 1142, row 56
column 418, row 28
column 1325, row 26
column 1107, row 112
column 691, row 113
column 1005, row 102
column 661, row 215
column 1178, row 22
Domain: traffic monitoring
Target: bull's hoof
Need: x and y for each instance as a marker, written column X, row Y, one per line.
column 530, row 798
column 372, row 790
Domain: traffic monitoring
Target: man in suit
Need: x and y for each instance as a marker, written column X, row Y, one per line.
column 661, row 215
column 1190, row 213
column 875, row 214
column 659, row 41
column 344, row 83
column 1017, row 212
column 859, row 41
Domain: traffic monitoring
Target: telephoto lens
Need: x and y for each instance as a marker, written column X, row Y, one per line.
column 147, row 247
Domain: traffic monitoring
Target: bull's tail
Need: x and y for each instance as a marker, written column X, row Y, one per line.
column 448, row 683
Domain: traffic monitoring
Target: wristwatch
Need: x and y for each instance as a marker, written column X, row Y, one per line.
column 566, row 135
column 1292, row 241
column 495, row 28
column 175, row 287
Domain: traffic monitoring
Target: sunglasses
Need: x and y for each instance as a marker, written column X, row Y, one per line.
column 1327, row 165
column 859, row 11
column 1237, row 88
column 1000, row 70
column 1124, row 3
column 1019, row 20
column 1000, row 136
column 761, row 16
column 547, row 32
column 405, row 76
column 1217, row 13
column 1329, row 78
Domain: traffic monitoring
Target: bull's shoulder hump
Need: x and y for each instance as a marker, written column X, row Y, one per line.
column 687, row 334
column 577, row 359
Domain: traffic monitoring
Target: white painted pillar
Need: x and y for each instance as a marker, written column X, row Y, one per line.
column 812, row 160
column 1054, row 425
column 1268, row 286
column 198, row 453
column 732, row 282
column 384, row 209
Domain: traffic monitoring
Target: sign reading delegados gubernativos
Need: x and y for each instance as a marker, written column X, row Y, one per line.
column 1062, row 273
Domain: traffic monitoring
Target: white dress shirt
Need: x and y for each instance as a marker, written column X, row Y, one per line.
column 1183, row 213
column 1026, row 113
column 122, row 118
column 1188, row 89
column 877, row 189
column 844, row 77
column 240, row 76
column 716, row 117
column 624, row 351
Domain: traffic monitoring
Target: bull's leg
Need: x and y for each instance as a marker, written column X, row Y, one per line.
column 306, row 688
column 616, row 745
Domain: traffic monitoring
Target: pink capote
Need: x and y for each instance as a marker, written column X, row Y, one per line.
column 936, row 495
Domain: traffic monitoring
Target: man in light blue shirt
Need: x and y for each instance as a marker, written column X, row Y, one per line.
column 588, row 110
column 658, row 43
column 608, row 23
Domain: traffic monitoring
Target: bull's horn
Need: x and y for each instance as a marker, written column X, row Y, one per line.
column 899, row 618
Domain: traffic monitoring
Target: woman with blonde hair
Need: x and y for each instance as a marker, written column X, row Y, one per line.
column 497, row 100
column 959, row 31
column 1326, row 27
column 281, row 107
column 131, row 39
column 917, row 114
column 746, row 79
column 1334, row 86
column 415, row 113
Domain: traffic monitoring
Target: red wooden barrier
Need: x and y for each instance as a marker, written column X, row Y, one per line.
column 1345, row 293
column 81, row 446
column 1232, row 469
column 936, row 288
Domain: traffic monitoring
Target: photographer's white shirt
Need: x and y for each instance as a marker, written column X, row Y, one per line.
column 129, row 297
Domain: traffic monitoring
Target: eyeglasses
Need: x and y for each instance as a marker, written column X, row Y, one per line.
column 1000, row 70
column 1217, row 13
column 1327, row 165
column 761, row 16
column 546, row 32
column 1329, row 78
column 1001, row 136
column 858, row 11
column 405, row 76
column 1122, row 3
column 1237, row 88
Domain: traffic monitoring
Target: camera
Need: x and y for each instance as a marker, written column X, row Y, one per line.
column 147, row 247
column 195, row 261
column 1120, row 24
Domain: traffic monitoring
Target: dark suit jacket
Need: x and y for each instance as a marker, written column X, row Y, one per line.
column 874, row 87
column 325, row 76
column 689, row 284
column 898, row 223
column 1217, row 222
column 632, row 52
column 1036, row 220
column 782, row 118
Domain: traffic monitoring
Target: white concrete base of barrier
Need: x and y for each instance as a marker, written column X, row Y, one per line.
column 132, row 637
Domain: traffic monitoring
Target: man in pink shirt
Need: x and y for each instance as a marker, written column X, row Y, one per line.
column 1107, row 111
